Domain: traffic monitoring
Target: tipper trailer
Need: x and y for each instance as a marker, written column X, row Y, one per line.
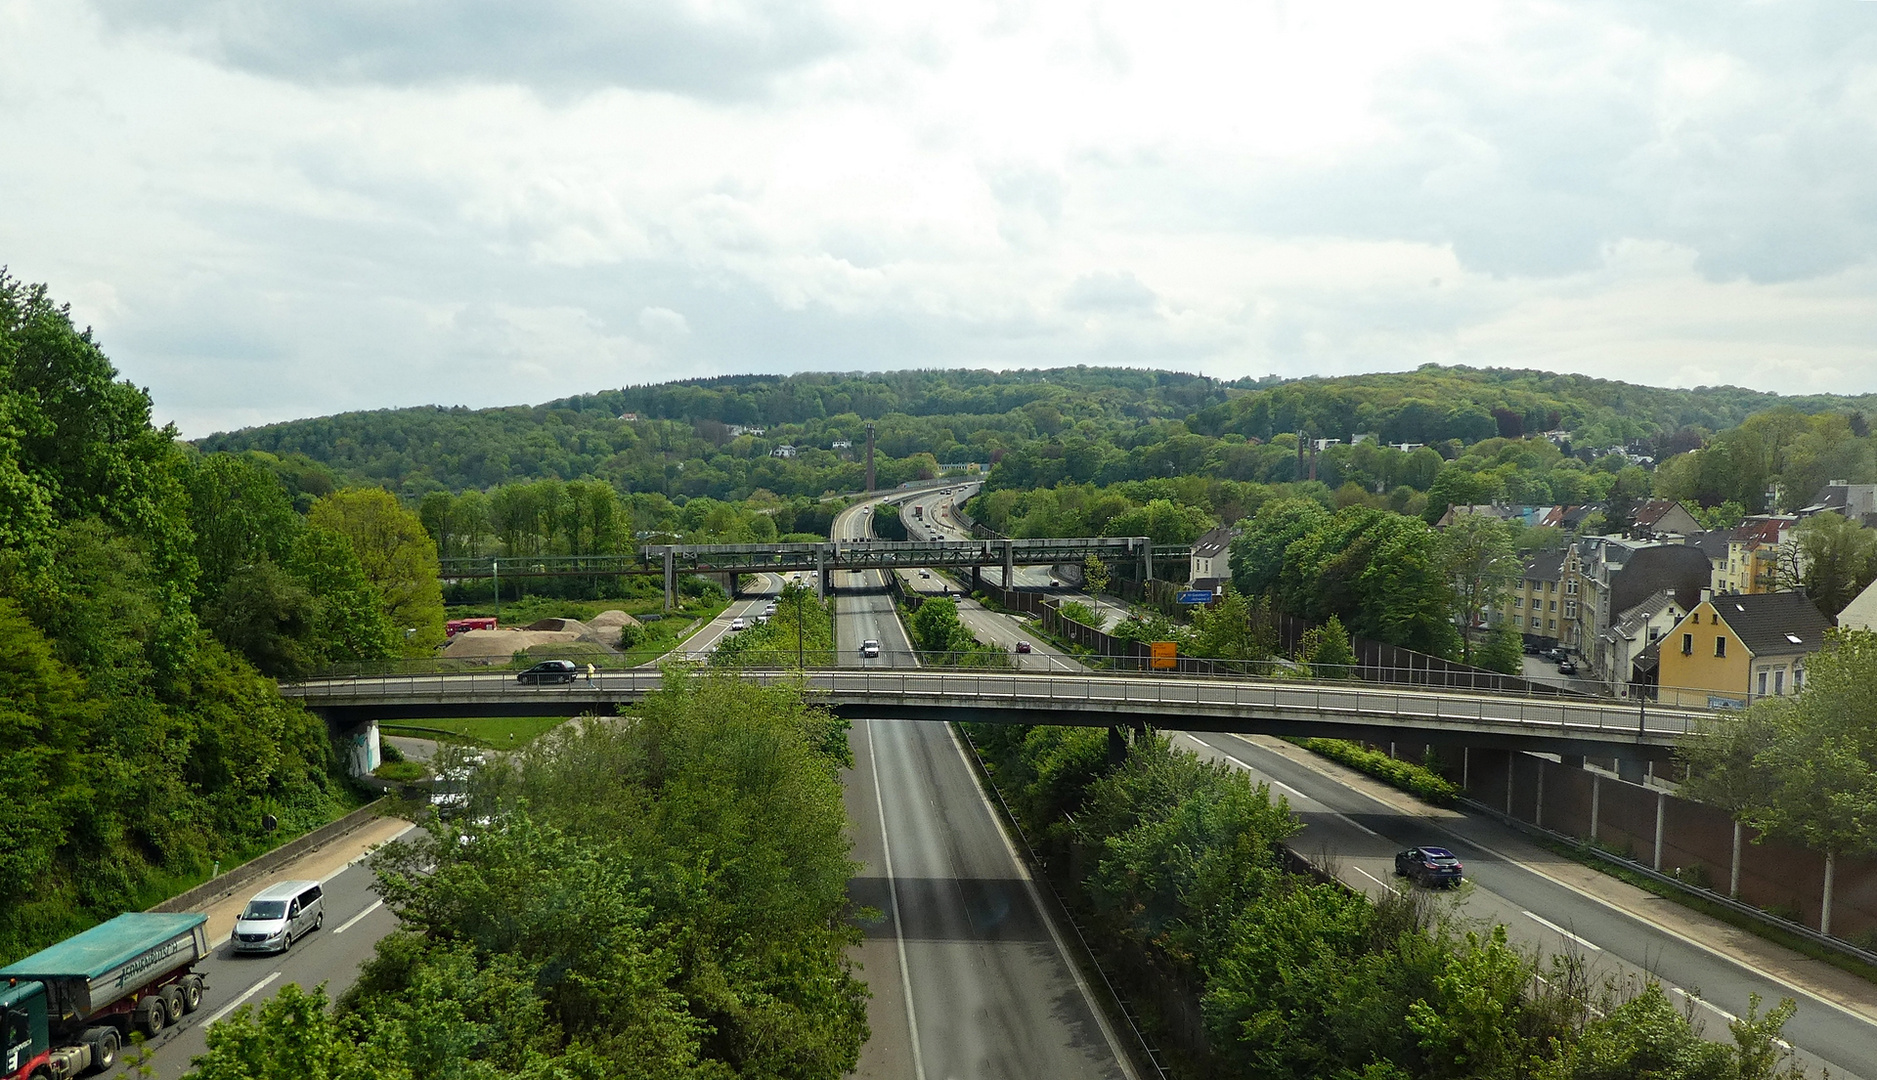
column 66, row 1010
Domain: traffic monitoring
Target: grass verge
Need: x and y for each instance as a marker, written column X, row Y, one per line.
column 488, row 732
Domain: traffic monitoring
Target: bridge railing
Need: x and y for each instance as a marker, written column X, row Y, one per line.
column 1044, row 691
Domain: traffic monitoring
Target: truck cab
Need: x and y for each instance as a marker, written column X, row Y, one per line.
column 23, row 1024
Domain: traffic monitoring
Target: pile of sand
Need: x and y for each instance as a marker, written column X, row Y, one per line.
column 612, row 620
column 502, row 645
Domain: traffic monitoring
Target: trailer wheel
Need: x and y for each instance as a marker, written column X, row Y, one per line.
column 191, row 992
column 103, row 1042
column 175, row 1002
column 151, row 1015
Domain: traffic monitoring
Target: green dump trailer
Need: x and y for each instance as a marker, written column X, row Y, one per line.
column 66, row 1010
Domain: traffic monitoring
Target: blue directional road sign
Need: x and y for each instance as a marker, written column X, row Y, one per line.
column 1196, row 596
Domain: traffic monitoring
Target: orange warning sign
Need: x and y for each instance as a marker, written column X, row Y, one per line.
column 1164, row 654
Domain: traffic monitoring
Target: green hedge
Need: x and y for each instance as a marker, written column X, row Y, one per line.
column 1417, row 780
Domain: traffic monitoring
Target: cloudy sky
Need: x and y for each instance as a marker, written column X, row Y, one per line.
column 272, row 209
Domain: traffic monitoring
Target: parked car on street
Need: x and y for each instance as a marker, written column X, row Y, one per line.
column 548, row 671
column 1567, row 666
column 1429, row 866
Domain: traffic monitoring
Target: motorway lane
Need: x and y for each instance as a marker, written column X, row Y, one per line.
column 943, row 522
column 700, row 644
column 968, row 977
column 355, row 920
column 1360, row 834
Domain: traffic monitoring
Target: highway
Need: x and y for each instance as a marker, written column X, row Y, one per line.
column 355, row 920
column 1547, row 902
column 968, row 977
column 705, row 640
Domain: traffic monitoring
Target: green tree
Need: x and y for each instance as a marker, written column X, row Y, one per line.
column 1803, row 769
column 1095, row 575
column 398, row 557
column 1482, row 562
column 1258, row 553
column 1503, row 652
column 1224, row 630
column 1838, row 557
column 1327, row 651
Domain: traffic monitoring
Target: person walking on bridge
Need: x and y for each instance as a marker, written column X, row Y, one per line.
column 589, row 672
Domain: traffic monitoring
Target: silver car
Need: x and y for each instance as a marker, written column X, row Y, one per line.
column 279, row 914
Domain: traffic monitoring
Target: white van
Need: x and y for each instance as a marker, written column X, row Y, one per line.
column 277, row 915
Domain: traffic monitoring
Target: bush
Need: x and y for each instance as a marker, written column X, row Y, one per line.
column 401, row 772
column 1417, row 780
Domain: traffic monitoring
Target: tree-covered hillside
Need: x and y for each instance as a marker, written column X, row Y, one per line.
column 719, row 437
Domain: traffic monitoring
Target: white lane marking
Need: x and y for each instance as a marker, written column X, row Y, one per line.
column 240, row 1001
column 353, row 921
column 1036, row 898
column 892, row 889
column 1720, row 1012
column 1375, row 879
column 1561, row 931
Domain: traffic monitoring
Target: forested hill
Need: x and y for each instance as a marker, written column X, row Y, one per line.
column 686, row 438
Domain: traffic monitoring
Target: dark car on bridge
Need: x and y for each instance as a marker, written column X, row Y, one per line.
column 1429, row 866
column 548, row 671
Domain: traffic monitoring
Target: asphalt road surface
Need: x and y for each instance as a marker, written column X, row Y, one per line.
column 1358, row 835
column 968, row 977
column 355, row 920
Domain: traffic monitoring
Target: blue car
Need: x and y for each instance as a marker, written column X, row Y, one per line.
column 1429, row 866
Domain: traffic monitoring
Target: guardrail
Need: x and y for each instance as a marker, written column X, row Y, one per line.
column 1168, row 700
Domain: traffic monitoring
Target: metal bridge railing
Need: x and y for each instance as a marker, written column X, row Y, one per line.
column 1170, row 698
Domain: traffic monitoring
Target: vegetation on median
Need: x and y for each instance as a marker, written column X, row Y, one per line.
column 1417, row 780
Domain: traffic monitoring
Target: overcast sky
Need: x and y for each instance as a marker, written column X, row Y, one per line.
column 369, row 203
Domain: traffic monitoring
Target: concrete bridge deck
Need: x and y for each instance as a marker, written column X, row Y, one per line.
column 1325, row 709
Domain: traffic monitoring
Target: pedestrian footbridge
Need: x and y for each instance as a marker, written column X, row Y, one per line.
column 1381, row 714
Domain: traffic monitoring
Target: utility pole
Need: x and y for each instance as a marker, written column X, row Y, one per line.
column 495, row 574
column 801, row 661
column 870, row 456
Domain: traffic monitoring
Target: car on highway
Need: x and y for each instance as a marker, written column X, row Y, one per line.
column 869, row 647
column 277, row 915
column 1023, row 646
column 925, row 573
column 1429, row 866
column 739, row 623
column 548, row 671
column 1567, row 666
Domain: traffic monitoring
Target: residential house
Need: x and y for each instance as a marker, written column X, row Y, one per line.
column 1659, row 517
column 841, row 444
column 1754, row 551
column 1211, row 562
column 1532, row 606
column 1605, row 576
column 1730, row 651
column 1406, row 447
column 1631, row 635
column 1861, row 612
column 785, row 450
column 1855, row 501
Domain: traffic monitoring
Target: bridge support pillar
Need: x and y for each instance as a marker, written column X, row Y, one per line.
column 1147, row 561
column 1010, row 565
column 1117, row 746
column 357, row 743
column 821, row 571
column 671, row 581
column 977, row 578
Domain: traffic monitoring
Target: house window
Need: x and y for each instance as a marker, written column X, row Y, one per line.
column 1762, row 684
column 1570, row 588
column 1554, row 622
column 1697, row 617
column 1554, row 605
column 1518, row 601
column 1798, row 679
column 1720, row 646
column 1570, row 609
column 1687, row 644
column 1654, row 632
column 1779, row 682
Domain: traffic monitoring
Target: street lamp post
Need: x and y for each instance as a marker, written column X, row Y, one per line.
column 801, row 655
column 495, row 574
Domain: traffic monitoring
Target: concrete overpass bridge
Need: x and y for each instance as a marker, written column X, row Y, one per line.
column 1595, row 728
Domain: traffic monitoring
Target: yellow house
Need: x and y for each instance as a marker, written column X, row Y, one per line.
column 1732, row 650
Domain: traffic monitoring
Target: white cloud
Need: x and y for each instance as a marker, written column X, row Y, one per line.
column 272, row 212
